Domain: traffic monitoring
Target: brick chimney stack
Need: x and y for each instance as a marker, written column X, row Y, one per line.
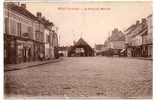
column 137, row 22
column 144, row 23
column 23, row 6
column 143, row 20
column 39, row 14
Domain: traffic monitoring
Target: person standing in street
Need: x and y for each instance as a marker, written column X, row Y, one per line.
column 41, row 56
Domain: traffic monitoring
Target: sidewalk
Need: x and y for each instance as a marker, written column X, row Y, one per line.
column 28, row 64
column 142, row 58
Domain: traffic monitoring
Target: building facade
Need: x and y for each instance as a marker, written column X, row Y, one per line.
column 18, row 34
column 99, row 49
column 134, row 40
column 150, row 36
column 115, row 43
column 139, row 38
column 51, row 40
column 23, row 34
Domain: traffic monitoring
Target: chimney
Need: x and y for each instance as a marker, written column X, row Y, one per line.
column 144, row 23
column 143, row 20
column 137, row 22
column 39, row 14
column 23, row 6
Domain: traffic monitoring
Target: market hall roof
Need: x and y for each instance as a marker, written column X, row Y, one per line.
column 81, row 41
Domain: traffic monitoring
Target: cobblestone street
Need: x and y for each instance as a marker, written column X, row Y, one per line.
column 82, row 77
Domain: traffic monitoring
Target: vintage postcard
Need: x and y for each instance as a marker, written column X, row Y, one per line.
column 78, row 49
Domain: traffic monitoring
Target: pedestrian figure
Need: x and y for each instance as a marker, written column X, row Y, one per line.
column 41, row 56
column 29, row 54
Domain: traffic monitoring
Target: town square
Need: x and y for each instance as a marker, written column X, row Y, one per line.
column 84, row 77
column 78, row 50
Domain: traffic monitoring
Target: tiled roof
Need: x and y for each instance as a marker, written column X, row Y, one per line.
column 28, row 14
column 21, row 10
column 131, row 28
column 81, row 42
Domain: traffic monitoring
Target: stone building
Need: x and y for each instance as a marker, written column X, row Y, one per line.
column 99, row 49
column 150, row 35
column 139, row 38
column 19, row 34
column 134, row 40
column 54, row 43
column 23, row 34
column 39, row 37
column 116, row 42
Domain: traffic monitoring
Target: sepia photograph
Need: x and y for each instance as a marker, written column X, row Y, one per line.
column 78, row 50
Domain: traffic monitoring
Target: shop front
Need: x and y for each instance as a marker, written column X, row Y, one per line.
column 9, row 49
column 150, row 50
column 17, row 50
column 25, row 51
column 38, row 50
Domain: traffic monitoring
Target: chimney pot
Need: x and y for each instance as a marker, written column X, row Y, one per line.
column 143, row 20
column 137, row 22
column 23, row 6
column 39, row 14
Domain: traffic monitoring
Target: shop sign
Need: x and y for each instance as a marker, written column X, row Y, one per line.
column 26, row 35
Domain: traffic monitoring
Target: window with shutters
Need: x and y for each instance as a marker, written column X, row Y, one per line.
column 30, row 32
column 13, row 27
column 19, row 29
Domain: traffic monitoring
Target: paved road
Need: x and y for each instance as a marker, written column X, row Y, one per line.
column 84, row 76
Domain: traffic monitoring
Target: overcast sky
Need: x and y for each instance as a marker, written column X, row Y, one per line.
column 75, row 20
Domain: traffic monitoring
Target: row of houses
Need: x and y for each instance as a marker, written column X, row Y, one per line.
column 135, row 41
column 139, row 38
column 27, row 37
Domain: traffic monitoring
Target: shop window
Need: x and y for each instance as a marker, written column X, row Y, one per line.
column 47, row 39
column 13, row 27
column 20, row 50
column 30, row 31
column 12, row 44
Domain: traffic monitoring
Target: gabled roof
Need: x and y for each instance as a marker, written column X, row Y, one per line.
column 117, row 36
column 81, row 41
